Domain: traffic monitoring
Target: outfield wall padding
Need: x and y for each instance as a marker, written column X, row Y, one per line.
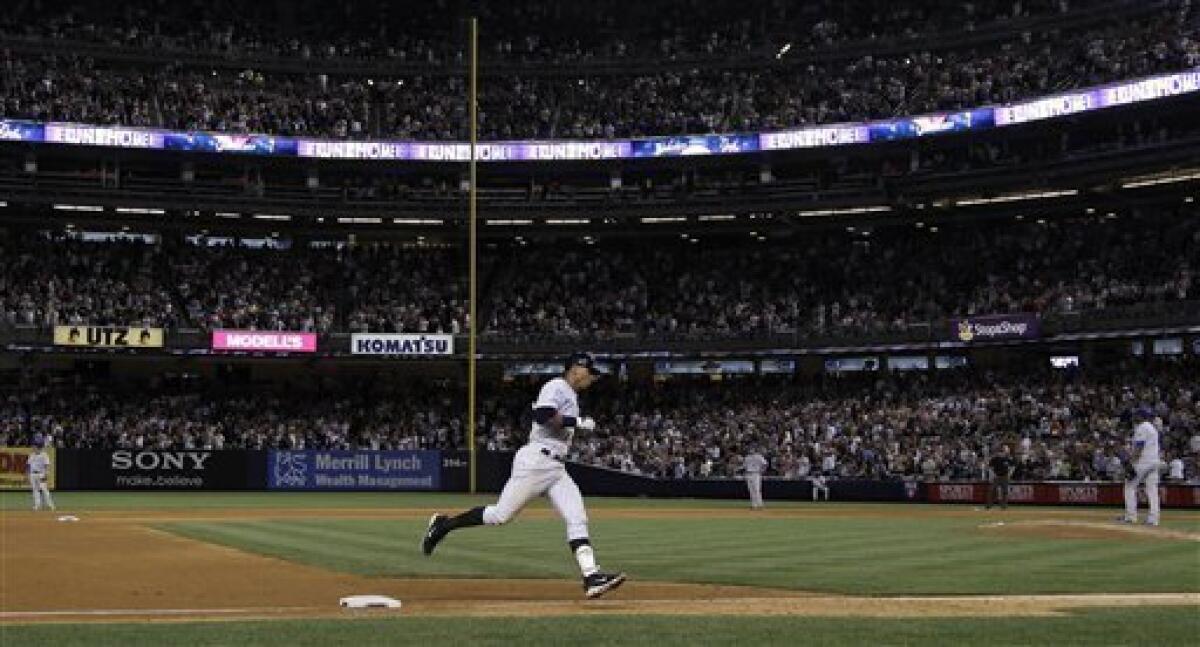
column 447, row 471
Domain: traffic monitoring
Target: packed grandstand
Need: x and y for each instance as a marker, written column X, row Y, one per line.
column 1088, row 227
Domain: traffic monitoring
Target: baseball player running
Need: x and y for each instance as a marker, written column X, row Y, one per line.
column 538, row 469
column 1143, row 464
column 39, row 471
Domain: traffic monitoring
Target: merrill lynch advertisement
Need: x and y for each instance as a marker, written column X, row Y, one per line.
column 354, row 470
column 996, row 328
column 368, row 344
column 108, row 337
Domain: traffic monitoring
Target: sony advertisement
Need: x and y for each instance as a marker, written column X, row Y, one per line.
column 161, row 469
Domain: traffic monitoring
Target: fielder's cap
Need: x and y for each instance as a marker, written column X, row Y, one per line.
column 1143, row 412
column 582, row 359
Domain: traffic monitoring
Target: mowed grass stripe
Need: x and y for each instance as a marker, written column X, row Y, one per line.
column 343, row 548
column 877, row 556
column 1159, row 626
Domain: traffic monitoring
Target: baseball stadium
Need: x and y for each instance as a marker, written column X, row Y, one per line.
column 677, row 322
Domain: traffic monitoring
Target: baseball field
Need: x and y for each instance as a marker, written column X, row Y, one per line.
column 265, row 569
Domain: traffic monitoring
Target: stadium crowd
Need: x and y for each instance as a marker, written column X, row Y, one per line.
column 937, row 426
column 893, row 279
column 866, row 281
column 82, row 414
column 712, row 96
column 531, row 31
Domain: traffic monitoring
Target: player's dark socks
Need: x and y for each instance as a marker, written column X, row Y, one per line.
column 576, row 543
column 472, row 517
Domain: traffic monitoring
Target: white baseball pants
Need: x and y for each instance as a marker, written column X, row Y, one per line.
column 1146, row 476
column 754, row 484
column 535, row 474
column 40, row 491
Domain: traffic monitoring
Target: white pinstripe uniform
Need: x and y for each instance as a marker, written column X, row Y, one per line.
column 538, row 467
column 39, row 471
column 755, row 465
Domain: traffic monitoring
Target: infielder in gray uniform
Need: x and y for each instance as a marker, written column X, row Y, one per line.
column 754, row 465
column 538, row 469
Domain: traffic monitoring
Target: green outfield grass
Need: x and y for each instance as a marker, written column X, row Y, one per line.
column 883, row 555
column 1158, row 626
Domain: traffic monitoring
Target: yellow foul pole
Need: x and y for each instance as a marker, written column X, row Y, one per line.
column 473, row 326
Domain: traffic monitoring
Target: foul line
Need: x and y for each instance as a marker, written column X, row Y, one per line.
column 149, row 612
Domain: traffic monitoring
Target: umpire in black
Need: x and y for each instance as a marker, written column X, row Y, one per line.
column 1002, row 466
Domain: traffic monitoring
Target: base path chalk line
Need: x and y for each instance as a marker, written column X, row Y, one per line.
column 150, row 612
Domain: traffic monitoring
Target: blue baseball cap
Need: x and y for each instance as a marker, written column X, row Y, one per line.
column 582, row 359
column 1143, row 412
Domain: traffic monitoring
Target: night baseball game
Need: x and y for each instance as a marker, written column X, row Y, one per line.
column 543, row 322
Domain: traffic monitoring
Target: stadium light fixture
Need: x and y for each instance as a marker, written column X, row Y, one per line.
column 360, row 221
column 141, row 210
column 843, row 211
column 78, row 207
column 1137, row 183
column 654, row 220
column 227, row 214
column 1016, row 197
column 3, row 203
column 418, row 221
column 787, row 47
column 272, row 216
column 717, row 217
column 519, row 221
column 568, row 221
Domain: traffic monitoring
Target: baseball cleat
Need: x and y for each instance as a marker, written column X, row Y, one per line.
column 597, row 584
column 1126, row 520
column 433, row 533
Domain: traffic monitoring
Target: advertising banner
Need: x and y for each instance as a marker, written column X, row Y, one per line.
column 980, row 118
column 164, row 469
column 230, row 143
column 694, row 145
column 12, row 130
column 57, row 133
column 13, row 463
column 354, row 470
column 815, row 137
column 108, row 337
column 1073, row 493
column 996, row 328
column 401, row 344
column 259, row 340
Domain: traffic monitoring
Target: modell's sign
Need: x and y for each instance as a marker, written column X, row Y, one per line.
column 108, row 337
column 258, row 340
column 367, row 344
column 996, row 328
